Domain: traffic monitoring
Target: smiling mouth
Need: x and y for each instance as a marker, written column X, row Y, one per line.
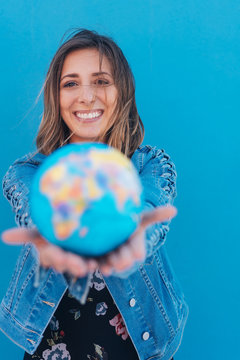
column 88, row 115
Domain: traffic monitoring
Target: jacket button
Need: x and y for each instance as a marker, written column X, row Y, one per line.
column 132, row 302
column 145, row 335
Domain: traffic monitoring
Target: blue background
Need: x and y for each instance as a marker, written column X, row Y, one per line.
column 186, row 59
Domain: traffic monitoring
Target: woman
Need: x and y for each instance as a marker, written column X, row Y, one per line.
column 128, row 303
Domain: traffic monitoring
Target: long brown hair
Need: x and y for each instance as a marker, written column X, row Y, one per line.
column 126, row 130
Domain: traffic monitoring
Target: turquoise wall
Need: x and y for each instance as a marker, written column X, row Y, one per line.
column 186, row 58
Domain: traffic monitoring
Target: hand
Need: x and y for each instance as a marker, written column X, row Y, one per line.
column 134, row 248
column 50, row 255
column 62, row 261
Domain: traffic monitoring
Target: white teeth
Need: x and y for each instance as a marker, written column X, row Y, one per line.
column 88, row 115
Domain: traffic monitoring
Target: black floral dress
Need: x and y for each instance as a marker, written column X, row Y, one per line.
column 94, row 331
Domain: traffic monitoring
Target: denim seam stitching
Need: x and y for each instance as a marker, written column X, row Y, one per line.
column 166, row 281
column 169, row 288
column 25, row 283
column 158, row 301
column 18, row 323
column 19, row 272
column 33, row 308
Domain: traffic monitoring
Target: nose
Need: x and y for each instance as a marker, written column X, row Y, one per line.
column 86, row 94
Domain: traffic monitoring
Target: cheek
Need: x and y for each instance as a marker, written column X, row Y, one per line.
column 64, row 101
column 111, row 100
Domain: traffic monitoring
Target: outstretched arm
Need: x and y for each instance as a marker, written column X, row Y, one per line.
column 158, row 176
column 16, row 186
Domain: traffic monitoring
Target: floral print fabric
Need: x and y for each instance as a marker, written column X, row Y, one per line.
column 93, row 331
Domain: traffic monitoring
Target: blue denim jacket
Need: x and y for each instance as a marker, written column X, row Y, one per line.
column 148, row 296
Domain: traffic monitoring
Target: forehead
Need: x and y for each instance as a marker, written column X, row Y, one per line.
column 85, row 60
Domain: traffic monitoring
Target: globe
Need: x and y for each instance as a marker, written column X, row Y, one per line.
column 86, row 198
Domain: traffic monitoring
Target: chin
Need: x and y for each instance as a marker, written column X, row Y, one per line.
column 85, row 138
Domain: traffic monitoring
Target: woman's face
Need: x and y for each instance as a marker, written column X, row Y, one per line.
column 87, row 95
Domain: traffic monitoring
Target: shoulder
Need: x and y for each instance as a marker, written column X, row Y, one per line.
column 30, row 159
column 27, row 161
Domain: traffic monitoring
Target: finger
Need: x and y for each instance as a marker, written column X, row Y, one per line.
column 92, row 264
column 122, row 258
column 104, row 264
column 159, row 214
column 16, row 236
column 76, row 265
column 106, row 269
column 137, row 245
column 52, row 256
column 62, row 261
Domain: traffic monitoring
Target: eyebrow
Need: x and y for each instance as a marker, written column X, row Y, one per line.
column 75, row 75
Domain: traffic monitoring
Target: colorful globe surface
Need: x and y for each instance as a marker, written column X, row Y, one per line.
column 86, row 198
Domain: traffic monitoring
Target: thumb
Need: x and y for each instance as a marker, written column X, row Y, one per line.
column 17, row 236
column 159, row 214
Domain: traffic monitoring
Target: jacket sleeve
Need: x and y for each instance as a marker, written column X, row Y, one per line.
column 158, row 177
column 16, row 187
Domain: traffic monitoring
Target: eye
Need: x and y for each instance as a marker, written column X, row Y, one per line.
column 70, row 84
column 102, row 83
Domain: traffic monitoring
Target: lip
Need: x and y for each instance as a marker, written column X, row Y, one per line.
column 87, row 112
